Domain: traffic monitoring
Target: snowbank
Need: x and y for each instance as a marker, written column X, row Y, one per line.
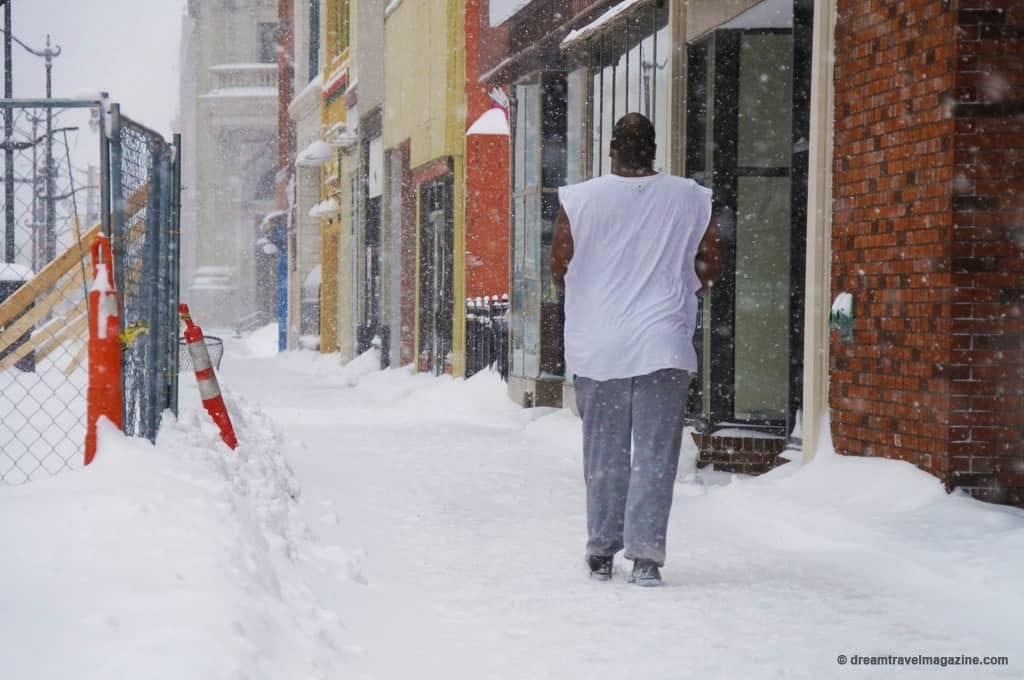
column 184, row 560
column 179, row 560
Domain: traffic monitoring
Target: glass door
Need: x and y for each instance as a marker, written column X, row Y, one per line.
column 746, row 99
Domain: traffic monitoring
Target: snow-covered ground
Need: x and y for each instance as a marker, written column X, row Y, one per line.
column 386, row 525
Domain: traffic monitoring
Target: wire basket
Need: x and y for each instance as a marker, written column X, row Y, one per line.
column 214, row 345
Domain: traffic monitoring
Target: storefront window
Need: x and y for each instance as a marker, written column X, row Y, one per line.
column 525, row 299
column 748, row 95
column 541, row 147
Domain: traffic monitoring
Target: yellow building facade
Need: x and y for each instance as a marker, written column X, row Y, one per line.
column 335, row 240
column 424, row 140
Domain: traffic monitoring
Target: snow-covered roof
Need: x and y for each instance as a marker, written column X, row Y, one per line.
column 315, row 154
column 492, row 122
column 12, row 271
column 597, row 24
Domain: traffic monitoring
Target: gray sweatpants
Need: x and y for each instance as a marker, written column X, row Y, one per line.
column 628, row 504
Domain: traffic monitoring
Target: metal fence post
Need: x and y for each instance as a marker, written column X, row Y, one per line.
column 174, row 251
column 148, row 410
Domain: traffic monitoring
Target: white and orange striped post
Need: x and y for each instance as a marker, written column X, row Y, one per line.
column 206, row 378
column 103, row 395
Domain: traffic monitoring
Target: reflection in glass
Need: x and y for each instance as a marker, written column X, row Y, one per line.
column 765, row 100
column 575, row 125
column 531, row 134
column 762, row 297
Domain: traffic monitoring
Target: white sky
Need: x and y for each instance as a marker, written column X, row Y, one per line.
column 127, row 47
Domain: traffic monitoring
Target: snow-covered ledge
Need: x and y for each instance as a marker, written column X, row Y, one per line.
column 307, row 100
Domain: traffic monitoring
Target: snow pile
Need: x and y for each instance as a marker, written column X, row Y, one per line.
column 180, row 560
column 184, row 560
column 261, row 343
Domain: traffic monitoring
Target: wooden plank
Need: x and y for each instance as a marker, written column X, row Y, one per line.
column 136, row 202
column 10, row 335
column 44, row 280
column 63, row 263
column 77, row 360
column 41, row 336
column 76, row 328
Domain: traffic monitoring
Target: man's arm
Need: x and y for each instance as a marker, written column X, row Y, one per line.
column 710, row 262
column 561, row 248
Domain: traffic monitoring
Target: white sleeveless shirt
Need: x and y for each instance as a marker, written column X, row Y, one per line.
column 630, row 291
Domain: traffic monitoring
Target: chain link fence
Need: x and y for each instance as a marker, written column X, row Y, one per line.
column 59, row 176
column 144, row 182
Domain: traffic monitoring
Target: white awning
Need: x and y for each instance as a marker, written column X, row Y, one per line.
column 597, row 24
column 268, row 220
column 493, row 122
column 315, row 155
column 326, row 208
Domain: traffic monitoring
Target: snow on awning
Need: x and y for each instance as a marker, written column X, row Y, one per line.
column 492, row 122
column 316, row 154
column 267, row 223
column 325, row 208
column 597, row 24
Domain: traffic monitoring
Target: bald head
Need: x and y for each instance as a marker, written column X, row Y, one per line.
column 632, row 143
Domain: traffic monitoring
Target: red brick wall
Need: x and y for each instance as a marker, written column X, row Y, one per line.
column 936, row 362
column 487, row 182
column 987, row 362
column 893, row 168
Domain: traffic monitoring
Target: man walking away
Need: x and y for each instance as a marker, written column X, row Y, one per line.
column 633, row 249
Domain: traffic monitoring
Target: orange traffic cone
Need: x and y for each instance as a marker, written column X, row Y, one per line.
column 104, row 397
column 209, row 388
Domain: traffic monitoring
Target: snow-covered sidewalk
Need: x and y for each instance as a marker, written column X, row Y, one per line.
column 470, row 512
column 389, row 526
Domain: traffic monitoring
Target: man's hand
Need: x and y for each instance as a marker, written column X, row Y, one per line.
column 710, row 261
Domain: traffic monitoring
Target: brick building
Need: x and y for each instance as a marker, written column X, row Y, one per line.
column 928, row 229
column 864, row 146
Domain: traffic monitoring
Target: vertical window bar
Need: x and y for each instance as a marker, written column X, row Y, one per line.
column 654, row 71
column 600, row 113
column 625, row 49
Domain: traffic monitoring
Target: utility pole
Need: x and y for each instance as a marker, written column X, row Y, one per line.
column 49, row 237
column 8, row 138
column 50, row 250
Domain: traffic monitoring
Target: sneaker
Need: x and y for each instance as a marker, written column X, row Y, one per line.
column 600, row 567
column 645, row 573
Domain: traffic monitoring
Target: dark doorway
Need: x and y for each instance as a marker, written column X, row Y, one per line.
column 370, row 323
column 436, row 295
